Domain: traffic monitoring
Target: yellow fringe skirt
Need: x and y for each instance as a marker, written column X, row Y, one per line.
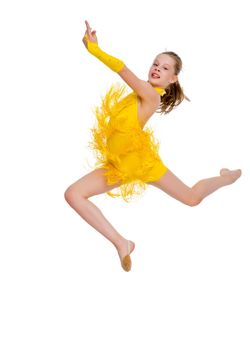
column 127, row 152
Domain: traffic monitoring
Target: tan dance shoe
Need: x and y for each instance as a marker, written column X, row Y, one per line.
column 126, row 261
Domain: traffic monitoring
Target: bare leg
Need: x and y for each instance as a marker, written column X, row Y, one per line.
column 192, row 196
column 207, row 186
column 77, row 196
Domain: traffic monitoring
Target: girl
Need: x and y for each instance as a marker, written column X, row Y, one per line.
column 127, row 155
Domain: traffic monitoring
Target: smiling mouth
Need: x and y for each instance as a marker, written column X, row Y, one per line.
column 155, row 76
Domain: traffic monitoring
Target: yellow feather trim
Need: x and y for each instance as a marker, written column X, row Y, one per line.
column 127, row 152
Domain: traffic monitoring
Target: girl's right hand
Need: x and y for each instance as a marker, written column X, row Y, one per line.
column 89, row 35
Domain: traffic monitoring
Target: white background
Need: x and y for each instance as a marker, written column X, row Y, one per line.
column 62, row 286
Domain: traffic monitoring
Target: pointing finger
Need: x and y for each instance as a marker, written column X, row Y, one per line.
column 88, row 26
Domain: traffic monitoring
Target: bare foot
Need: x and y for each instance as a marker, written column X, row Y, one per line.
column 125, row 250
column 231, row 175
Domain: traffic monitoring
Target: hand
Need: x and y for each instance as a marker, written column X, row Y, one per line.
column 89, row 35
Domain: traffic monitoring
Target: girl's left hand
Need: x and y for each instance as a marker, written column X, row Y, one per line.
column 89, row 35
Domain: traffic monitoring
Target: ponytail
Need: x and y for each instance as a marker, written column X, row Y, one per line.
column 172, row 98
column 174, row 93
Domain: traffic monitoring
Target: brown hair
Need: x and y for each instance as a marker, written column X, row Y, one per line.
column 174, row 92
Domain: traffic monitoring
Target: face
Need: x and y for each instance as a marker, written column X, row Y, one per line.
column 161, row 72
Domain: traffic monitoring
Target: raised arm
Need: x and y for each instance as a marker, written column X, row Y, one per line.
column 142, row 88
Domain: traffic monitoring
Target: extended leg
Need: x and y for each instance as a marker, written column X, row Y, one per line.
column 192, row 196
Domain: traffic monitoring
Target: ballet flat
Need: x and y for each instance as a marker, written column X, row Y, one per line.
column 126, row 261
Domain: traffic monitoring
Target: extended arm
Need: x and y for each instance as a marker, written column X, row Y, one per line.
column 113, row 63
column 142, row 88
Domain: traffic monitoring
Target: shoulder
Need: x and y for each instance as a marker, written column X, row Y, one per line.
column 150, row 96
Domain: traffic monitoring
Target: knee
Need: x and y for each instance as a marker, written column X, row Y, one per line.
column 193, row 200
column 70, row 194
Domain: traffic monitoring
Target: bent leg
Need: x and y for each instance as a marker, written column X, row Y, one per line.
column 173, row 186
column 91, row 184
column 192, row 196
column 77, row 196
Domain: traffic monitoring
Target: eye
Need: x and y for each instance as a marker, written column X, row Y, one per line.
column 165, row 68
column 155, row 64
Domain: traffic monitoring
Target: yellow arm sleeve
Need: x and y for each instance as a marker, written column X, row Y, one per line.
column 113, row 63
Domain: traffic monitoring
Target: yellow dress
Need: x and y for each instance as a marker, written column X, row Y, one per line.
column 127, row 152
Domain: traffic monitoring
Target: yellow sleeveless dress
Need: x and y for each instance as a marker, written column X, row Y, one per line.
column 127, row 152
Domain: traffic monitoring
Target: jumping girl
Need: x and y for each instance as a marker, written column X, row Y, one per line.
column 127, row 154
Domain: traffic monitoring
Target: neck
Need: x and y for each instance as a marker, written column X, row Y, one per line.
column 159, row 89
column 156, row 86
